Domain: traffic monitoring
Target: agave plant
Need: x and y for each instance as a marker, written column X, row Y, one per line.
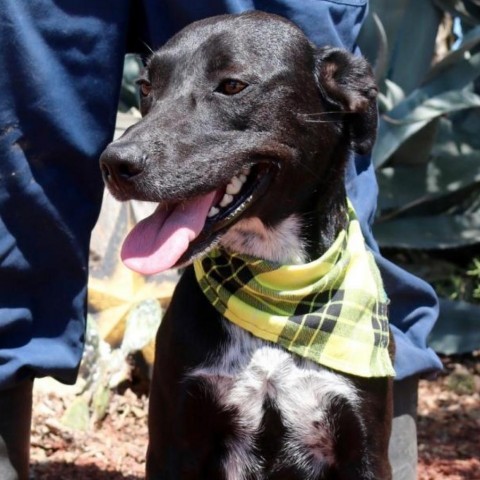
column 428, row 151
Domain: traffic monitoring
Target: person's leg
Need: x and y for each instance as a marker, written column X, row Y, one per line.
column 58, row 97
column 15, row 419
column 333, row 23
column 403, row 441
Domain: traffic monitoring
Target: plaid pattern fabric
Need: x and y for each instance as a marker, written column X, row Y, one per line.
column 332, row 310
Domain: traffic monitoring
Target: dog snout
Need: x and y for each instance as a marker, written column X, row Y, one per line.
column 121, row 162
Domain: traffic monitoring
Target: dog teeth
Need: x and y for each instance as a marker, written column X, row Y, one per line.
column 226, row 200
column 234, row 186
column 212, row 212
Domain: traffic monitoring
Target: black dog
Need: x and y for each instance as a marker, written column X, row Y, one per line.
column 245, row 134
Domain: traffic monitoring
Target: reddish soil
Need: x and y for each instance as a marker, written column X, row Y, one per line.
column 449, row 422
column 449, row 431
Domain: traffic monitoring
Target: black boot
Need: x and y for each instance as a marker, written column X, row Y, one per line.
column 15, row 423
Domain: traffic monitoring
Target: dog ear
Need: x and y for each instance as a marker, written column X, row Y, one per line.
column 347, row 84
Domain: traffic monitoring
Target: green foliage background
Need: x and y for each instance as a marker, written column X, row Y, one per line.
column 428, row 152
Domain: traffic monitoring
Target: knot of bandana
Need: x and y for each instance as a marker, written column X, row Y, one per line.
column 332, row 311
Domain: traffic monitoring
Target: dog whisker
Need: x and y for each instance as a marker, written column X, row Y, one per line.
column 312, row 117
column 332, row 112
column 321, row 121
column 148, row 47
column 310, row 170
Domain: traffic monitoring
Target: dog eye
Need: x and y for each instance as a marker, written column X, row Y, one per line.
column 145, row 87
column 231, row 87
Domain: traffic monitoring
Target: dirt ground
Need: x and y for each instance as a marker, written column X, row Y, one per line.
column 448, row 424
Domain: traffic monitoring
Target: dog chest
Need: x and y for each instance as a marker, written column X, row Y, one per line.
column 269, row 390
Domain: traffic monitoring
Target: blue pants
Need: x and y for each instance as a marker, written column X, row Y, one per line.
column 59, row 84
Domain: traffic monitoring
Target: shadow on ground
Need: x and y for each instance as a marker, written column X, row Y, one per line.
column 69, row 471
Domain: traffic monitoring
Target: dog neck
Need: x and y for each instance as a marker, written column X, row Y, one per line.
column 327, row 219
column 308, row 308
column 283, row 243
column 298, row 238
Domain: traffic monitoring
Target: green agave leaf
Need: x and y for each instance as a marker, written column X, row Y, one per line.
column 405, row 34
column 392, row 97
column 141, row 325
column 430, row 232
column 458, row 202
column 405, row 186
column 374, row 45
column 457, row 137
column 413, row 114
column 128, row 91
column 77, row 415
column 464, row 133
column 416, row 149
column 448, row 89
column 100, row 402
column 457, row 329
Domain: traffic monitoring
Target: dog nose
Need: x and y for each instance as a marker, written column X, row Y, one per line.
column 121, row 162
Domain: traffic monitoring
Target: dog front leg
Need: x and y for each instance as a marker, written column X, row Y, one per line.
column 188, row 434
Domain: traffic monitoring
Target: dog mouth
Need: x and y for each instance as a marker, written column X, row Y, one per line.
column 227, row 200
column 179, row 232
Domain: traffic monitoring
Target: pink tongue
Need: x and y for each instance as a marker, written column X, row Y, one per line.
column 157, row 242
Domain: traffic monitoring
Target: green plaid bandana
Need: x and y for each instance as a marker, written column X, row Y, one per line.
column 332, row 310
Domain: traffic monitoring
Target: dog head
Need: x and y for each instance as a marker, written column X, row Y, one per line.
column 245, row 123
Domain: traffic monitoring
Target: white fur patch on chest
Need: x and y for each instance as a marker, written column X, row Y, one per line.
column 250, row 372
column 282, row 243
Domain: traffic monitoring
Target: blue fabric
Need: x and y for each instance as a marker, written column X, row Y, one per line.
column 62, row 63
column 59, row 85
